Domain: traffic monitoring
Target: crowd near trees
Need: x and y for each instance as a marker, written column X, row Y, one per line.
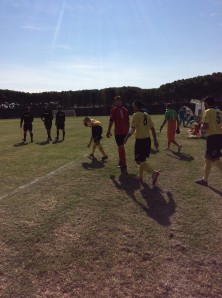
column 178, row 93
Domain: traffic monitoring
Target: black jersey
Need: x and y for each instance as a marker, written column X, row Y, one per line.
column 27, row 118
column 47, row 117
column 60, row 117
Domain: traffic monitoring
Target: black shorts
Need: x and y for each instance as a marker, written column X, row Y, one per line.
column 97, row 133
column 120, row 139
column 214, row 147
column 60, row 125
column 48, row 125
column 27, row 127
column 142, row 149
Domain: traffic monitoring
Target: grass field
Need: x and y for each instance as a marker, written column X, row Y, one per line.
column 70, row 227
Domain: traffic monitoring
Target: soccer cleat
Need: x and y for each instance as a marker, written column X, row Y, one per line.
column 104, row 158
column 202, row 182
column 155, row 176
column 91, row 156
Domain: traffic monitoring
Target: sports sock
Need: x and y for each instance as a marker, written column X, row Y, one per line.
column 122, row 155
column 207, row 168
column 218, row 164
column 101, row 150
column 94, row 149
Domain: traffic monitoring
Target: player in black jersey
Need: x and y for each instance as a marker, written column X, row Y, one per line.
column 47, row 118
column 60, row 123
column 27, row 119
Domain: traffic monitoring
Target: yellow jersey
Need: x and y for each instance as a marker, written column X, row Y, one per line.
column 213, row 118
column 95, row 123
column 142, row 122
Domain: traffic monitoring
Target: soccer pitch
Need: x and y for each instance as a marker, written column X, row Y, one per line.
column 71, row 227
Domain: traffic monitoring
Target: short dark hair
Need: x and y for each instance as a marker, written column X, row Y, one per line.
column 118, row 97
column 209, row 100
column 168, row 105
column 138, row 104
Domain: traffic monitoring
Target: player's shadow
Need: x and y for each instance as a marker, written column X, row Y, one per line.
column 158, row 207
column 94, row 164
column 57, row 142
column 20, row 144
column 126, row 182
column 155, row 206
column 215, row 190
column 181, row 156
column 43, row 143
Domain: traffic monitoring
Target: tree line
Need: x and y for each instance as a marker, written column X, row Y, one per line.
column 178, row 93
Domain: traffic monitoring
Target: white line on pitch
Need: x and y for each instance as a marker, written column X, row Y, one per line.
column 35, row 181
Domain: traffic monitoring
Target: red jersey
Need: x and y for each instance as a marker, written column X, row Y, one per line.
column 120, row 116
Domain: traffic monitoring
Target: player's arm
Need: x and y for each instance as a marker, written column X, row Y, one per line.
column 90, row 142
column 130, row 133
column 164, row 122
column 156, row 144
column 22, row 119
column 108, row 134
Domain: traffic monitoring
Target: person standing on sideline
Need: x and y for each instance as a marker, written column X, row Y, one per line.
column 96, row 136
column 212, row 126
column 120, row 117
column 27, row 119
column 182, row 113
column 172, row 120
column 141, row 125
column 60, row 123
column 47, row 118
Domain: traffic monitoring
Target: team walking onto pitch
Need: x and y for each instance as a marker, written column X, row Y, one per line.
column 142, row 127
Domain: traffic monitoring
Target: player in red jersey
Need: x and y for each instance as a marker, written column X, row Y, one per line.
column 120, row 117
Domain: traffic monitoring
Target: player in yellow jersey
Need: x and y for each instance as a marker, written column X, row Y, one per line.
column 96, row 136
column 142, row 125
column 212, row 126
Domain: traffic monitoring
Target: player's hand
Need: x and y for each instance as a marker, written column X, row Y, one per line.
column 108, row 134
column 156, row 144
column 88, row 146
column 125, row 140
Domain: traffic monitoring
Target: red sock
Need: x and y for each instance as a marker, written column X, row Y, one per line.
column 122, row 155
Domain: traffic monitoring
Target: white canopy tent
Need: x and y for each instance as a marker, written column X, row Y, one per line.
column 199, row 105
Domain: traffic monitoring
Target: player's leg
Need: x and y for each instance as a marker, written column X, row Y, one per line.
column 63, row 134
column 100, row 147
column 209, row 156
column 31, row 135
column 121, row 150
column 24, row 134
column 57, row 133
column 179, row 146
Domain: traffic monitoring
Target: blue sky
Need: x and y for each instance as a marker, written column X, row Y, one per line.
column 54, row 45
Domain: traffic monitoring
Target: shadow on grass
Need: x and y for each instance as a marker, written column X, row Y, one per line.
column 20, row 144
column 43, row 143
column 156, row 206
column 181, row 156
column 215, row 190
column 94, row 164
column 57, row 142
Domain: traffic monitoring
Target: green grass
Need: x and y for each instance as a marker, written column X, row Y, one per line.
column 86, row 230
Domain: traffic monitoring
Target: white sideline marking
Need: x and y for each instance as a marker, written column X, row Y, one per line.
column 35, row 181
